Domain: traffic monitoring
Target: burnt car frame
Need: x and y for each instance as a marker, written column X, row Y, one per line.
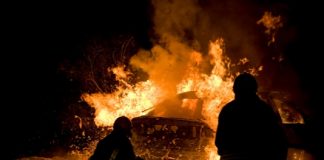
column 294, row 122
column 157, row 137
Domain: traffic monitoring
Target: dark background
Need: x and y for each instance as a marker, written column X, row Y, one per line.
column 38, row 38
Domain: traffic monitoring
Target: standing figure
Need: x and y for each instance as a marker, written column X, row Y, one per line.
column 248, row 128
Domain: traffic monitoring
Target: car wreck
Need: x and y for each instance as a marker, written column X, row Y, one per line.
column 157, row 137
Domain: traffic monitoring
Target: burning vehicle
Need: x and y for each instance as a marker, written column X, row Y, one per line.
column 171, row 137
column 181, row 126
column 293, row 122
column 174, row 109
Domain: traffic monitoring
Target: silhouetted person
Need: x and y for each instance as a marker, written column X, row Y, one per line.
column 116, row 145
column 248, row 128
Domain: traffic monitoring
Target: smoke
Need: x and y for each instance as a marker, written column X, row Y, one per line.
column 177, row 18
column 174, row 27
column 176, row 49
column 184, row 27
column 165, row 66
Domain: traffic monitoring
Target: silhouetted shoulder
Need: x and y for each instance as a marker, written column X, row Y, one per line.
column 266, row 107
column 229, row 106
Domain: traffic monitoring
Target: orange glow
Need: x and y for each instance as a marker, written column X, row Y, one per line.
column 172, row 70
column 131, row 101
column 212, row 153
column 214, row 88
column 272, row 24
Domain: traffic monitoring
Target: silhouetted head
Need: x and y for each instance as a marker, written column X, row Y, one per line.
column 245, row 85
column 123, row 125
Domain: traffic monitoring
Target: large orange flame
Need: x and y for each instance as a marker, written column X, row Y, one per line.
column 130, row 101
column 214, row 89
column 172, row 70
column 133, row 100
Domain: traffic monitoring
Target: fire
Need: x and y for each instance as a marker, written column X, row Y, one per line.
column 131, row 101
column 214, row 88
column 212, row 151
column 172, row 70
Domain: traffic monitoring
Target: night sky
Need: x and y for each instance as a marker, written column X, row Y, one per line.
column 39, row 38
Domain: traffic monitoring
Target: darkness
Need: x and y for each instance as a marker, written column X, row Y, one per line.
column 39, row 37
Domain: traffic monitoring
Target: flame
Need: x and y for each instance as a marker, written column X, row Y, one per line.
column 185, row 73
column 212, row 153
column 214, row 88
column 131, row 101
column 173, row 69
